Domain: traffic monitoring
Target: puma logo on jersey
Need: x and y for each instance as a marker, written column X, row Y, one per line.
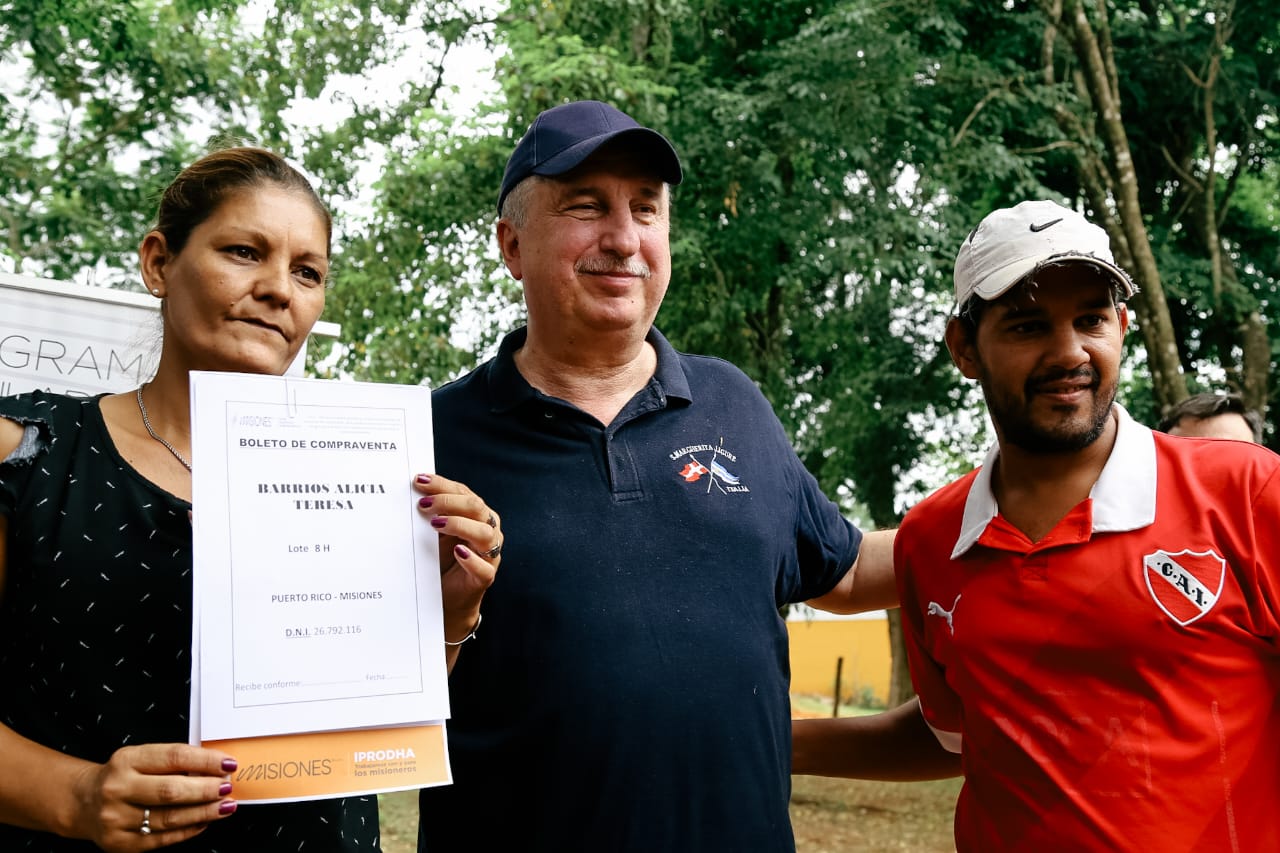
column 936, row 609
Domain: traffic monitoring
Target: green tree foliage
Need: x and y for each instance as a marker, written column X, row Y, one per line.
column 1160, row 119
column 419, row 291
column 105, row 100
column 98, row 94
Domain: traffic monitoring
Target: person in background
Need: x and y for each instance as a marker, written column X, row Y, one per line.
column 1091, row 617
column 629, row 690
column 1213, row 416
column 95, row 545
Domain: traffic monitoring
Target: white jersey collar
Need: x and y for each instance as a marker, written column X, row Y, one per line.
column 1124, row 497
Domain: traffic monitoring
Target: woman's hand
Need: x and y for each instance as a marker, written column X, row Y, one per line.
column 470, row 550
column 151, row 796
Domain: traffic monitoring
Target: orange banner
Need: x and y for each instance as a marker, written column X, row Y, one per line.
column 336, row 764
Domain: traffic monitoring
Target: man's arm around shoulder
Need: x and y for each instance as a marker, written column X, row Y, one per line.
column 892, row 746
column 869, row 583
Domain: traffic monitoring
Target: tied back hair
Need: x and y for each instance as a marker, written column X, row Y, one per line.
column 203, row 186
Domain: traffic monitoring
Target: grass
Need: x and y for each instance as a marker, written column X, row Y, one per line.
column 803, row 705
column 837, row 815
column 398, row 815
column 828, row 815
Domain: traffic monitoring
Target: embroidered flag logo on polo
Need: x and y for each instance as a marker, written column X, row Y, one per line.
column 693, row 472
column 1185, row 584
column 702, row 459
column 725, row 477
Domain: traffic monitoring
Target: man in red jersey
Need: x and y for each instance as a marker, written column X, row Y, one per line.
column 1092, row 616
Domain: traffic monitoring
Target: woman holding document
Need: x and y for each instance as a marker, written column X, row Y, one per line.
column 95, row 545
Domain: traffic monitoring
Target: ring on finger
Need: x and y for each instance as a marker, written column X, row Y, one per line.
column 493, row 521
column 145, row 829
column 493, row 552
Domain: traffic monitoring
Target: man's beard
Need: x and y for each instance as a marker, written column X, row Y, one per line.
column 1067, row 435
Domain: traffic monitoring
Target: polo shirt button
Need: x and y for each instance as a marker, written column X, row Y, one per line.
column 548, row 414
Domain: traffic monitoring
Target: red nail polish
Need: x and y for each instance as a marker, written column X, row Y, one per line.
column 227, row 807
column 423, row 479
column 224, row 789
column 439, row 522
column 461, row 551
column 425, row 501
column 228, row 764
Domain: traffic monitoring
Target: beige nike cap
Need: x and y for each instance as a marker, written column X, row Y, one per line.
column 1014, row 242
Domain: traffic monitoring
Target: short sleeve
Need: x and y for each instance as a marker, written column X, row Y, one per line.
column 827, row 543
column 16, row 468
column 1263, row 589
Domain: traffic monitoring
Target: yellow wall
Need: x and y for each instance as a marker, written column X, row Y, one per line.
column 816, row 645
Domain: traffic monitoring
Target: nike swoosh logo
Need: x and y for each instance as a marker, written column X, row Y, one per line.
column 1036, row 229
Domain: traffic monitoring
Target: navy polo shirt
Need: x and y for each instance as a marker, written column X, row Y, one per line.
column 628, row 690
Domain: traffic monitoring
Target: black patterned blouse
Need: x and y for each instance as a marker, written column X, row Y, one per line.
column 95, row 624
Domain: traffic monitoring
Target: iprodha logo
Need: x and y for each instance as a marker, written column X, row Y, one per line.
column 384, row 755
column 270, row 770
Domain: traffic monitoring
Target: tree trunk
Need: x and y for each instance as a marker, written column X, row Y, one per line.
column 1092, row 49
column 900, row 687
column 1255, row 362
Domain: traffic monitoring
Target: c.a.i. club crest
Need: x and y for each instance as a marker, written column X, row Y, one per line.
column 1185, row 584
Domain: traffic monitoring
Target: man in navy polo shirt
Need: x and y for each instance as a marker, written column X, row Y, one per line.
column 628, row 690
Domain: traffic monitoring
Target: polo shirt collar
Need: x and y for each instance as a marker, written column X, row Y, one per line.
column 508, row 388
column 1123, row 498
column 669, row 373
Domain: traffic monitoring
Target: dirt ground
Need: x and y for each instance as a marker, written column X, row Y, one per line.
column 837, row 815
column 829, row 816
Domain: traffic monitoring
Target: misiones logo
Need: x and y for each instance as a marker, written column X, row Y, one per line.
column 703, row 465
column 272, row 770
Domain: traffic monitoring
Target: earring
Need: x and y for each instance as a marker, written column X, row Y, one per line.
column 155, row 291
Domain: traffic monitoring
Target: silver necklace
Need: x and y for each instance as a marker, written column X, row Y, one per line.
column 146, row 422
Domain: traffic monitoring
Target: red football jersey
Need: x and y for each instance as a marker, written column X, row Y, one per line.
column 1116, row 685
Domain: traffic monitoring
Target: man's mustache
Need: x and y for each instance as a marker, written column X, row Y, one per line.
column 604, row 265
column 1088, row 374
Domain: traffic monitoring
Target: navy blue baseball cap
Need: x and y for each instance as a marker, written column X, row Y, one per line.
column 562, row 137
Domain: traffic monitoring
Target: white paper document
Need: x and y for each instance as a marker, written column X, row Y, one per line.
column 317, row 587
